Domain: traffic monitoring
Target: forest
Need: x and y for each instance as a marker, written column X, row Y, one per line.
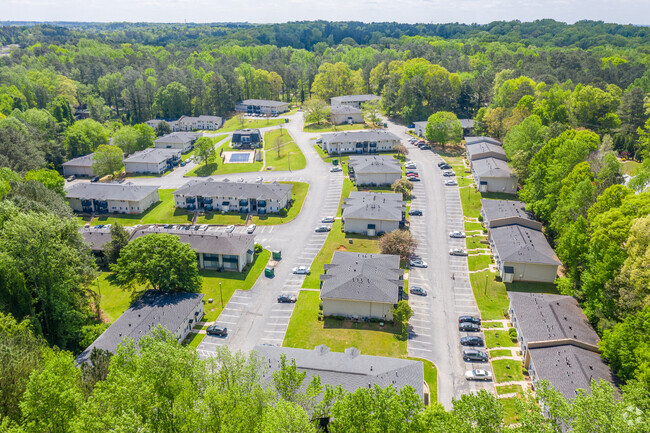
column 570, row 103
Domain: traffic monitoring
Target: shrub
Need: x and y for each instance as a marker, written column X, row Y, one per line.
column 258, row 248
column 512, row 332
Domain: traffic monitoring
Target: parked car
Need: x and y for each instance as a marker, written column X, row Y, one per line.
column 258, row 179
column 412, row 173
column 417, row 290
column 319, row 140
column 448, row 173
column 478, row 375
column 469, row 327
column 328, row 219
column 241, row 179
column 445, row 166
column 95, row 179
column 425, row 147
column 195, row 228
column 441, row 163
column 320, row 229
column 472, row 355
column 174, row 227
column 99, row 226
column 71, row 178
column 336, row 169
column 456, row 234
column 418, row 263
column 203, row 227
column 183, row 163
column 457, row 252
column 302, row 270
column 287, row 298
column 167, row 226
column 415, row 212
column 471, row 340
column 410, row 164
column 451, row 183
column 220, row 331
column 230, row 228
column 251, row 228
column 412, row 178
column 470, row 319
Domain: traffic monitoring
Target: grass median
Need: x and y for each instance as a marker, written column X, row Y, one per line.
column 282, row 152
column 234, row 123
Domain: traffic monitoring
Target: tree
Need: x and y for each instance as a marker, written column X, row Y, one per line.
column 18, row 151
column 479, row 412
column 119, row 239
column 443, row 127
column 84, row 136
column 107, row 159
column 162, row 128
column 401, row 315
column 33, row 196
column 522, row 142
column 372, row 112
column 160, row 260
column 401, row 149
column 286, row 417
column 205, row 150
column 172, row 101
column 49, row 178
column 60, row 109
column 398, row 242
column 316, row 111
column 145, row 136
column 126, row 139
column 404, row 187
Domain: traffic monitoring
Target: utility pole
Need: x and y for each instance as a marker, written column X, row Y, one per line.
column 486, row 282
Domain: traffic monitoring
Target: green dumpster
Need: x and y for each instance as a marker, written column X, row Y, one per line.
column 277, row 255
column 335, row 161
column 269, row 272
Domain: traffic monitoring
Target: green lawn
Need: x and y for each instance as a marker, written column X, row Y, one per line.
column 493, row 300
column 337, row 240
column 474, row 242
column 114, row 301
column 631, row 167
column 290, row 156
column 193, row 340
column 488, row 324
column 497, row 339
column 470, row 199
column 430, row 377
column 215, row 140
column 479, row 262
column 470, row 226
column 507, row 370
column 218, row 167
column 510, row 413
column 500, row 352
column 328, row 127
column 509, row 389
column 305, row 331
column 234, row 123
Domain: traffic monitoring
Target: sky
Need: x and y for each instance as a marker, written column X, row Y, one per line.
column 278, row 11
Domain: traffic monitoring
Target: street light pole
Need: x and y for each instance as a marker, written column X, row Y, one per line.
column 220, row 294
column 486, row 282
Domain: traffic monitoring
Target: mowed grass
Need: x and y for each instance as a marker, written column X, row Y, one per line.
column 496, row 353
column 218, row 167
column 114, row 300
column 234, row 123
column 510, row 411
column 509, row 389
column 498, row 339
column 163, row 212
column 298, row 195
column 490, row 295
column 507, row 370
column 430, row 377
column 305, row 331
column 476, row 263
column 328, row 127
column 474, row 242
column 193, row 340
column 337, row 240
column 282, row 152
column 631, row 168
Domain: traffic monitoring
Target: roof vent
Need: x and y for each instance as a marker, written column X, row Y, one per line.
column 352, row 352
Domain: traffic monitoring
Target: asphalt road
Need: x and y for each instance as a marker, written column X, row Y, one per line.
column 434, row 334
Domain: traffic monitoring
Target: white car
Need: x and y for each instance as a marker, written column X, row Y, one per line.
column 418, row 263
column 336, row 169
column 457, row 234
column 478, row 375
column 259, row 179
column 321, row 229
column 241, row 179
column 230, row 228
column 410, row 165
column 251, row 228
column 457, row 252
column 328, row 219
column 451, row 183
column 203, row 227
column 302, row 270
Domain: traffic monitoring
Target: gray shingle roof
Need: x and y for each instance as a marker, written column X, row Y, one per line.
column 110, row 191
column 202, row 117
column 153, row 308
column 178, row 137
column 362, row 277
column 345, row 109
column 484, row 150
column 241, row 190
column 569, row 368
column 350, row 369
column 374, row 206
column 207, row 242
column 82, row 161
column 153, row 155
column 472, row 140
column 367, row 164
column 491, row 167
column 543, row 317
column 466, row 123
column 494, row 210
column 265, row 102
column 353, row 98
column 96, row 238
column 519, row 244
column 354, row 136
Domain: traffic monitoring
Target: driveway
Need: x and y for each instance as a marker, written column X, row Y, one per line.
column 434, row 334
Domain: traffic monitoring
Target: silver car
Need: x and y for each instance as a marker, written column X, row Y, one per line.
column 457, row 252
column 230, row 228
column 302, row 270
column 478, row 375
column 457, row 234
column 251, row 228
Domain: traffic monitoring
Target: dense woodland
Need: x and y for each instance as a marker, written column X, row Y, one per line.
column 568, row 101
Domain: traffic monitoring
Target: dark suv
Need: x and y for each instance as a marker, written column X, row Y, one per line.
column 471, row 340
column 469, row 327
column 470, row 319
column 220, row 331
column 471, row 355
column 286, row 298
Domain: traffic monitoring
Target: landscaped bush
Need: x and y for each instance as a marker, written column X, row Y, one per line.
column 258, row 248
column 512, row 332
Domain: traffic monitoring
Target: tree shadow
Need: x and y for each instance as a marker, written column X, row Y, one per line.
column 338, row 323
column 206, row 169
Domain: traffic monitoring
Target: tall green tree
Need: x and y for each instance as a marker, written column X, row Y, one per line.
column 205, row 150
column 83, row 137
column 443, row 127
column 119, row 240
column 107, row 159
